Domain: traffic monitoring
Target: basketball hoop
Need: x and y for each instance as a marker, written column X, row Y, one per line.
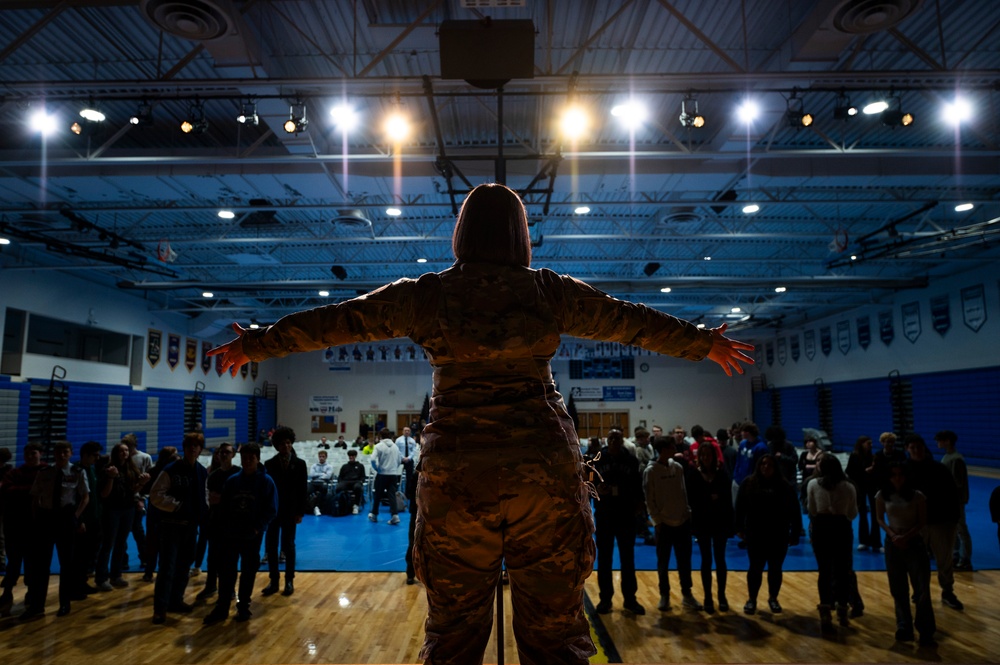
column 164, row 253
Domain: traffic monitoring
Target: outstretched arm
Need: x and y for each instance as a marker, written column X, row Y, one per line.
column 232, row 352
column 728, row 353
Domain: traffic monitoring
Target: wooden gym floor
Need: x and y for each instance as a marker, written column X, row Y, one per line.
column 377, row 618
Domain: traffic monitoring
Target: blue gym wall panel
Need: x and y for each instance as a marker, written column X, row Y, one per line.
column 225, row 419
column 267, row 413
column 859, row 408
column 798, row 409
column 967, row 402
column 762, row 414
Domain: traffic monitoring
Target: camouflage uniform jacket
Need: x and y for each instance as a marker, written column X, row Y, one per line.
column 489, row 332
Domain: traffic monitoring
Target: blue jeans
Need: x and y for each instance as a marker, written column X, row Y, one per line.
column 116, row 524
column 177, row 543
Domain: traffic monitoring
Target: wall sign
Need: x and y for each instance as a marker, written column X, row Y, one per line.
column 809, row 342
column 864, row 331
column 941, row 314
column 825, row 340
column 782, row 350
column 911, row 321
column 154, row 343
column 886, row 330
column 844, row 336
column 794, row 344
column 974, row 307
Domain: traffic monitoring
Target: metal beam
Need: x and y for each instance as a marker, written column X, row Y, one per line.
column 399, row 38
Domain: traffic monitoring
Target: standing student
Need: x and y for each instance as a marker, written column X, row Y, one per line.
column 180, row 493
column 768, row 517
column 955, row 462
column 248, row 503
column 710, row 497
column 500, row 440
column 289, row 475
column 667, row 504
column 832, row 504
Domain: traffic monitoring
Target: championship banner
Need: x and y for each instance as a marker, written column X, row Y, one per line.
column 173, row 350
column 941, row 314
column 206, row 360
column 886, row 330
column 844, row 336
column 794, row 344
column 218, row 364
column 911, row 321
column 974, row 307
column 190, row 354
column 809, row 342
column 769, row 353
column 864, row 331
column 782, row 350
column 254, row 369
column 244, row 370
column 153, row 345
column 825, row 340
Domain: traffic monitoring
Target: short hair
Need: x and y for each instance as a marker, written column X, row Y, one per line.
column 283, row 434
column 492, row 227
column 946, row 435
column 751, row 427
column 250, row 449
column 615, row 434
column 321, row 453
column 34, row 446
column 130, row 440
column 384, row 433
column 697, row 430
column 887, row 437
column 915, row 439
column 775, row 433
column 661, row 442
column 641, row 432
column 194, row 439
column 722, row 435
column 352, row 452
column 223, row 445
column 62, row 445
column 91, row 448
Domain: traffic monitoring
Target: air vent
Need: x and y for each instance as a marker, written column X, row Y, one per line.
column 862, row 17
column 681, row 216
column 198, row 20
column 351, row 217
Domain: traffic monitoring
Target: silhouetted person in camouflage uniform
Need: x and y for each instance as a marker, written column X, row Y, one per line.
column 501, row 478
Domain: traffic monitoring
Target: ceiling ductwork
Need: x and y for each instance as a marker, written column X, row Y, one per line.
column 863, row 17
column 826, row 31
column 197, row 20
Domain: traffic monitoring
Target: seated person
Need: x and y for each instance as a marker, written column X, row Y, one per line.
column 323, row 443
column 352, row 479
column 319, row 476
column 341, row 443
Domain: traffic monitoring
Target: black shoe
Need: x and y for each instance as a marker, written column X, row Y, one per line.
column 181, row 608
column 927, row 641
column 88, row 589
column 243, row 613
column 952, row 601
column 411, row 580
column 903, row 635
column 709, row 606
column 32, row 613
column 289, row 589
column 963, row 565
column 750, row 607
column 217, row 615
column 159, row 617
column 857, row 611
column 634, row 607
column 270, row 589
column 6, row 603
column 690, row 603
column 774, row 606
column 604, row 607
column 723, row 604
column 62, row 611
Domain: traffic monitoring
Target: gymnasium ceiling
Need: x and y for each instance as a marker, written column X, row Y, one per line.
column 666, row 203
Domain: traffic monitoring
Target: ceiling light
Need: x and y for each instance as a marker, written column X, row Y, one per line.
column 780, row 289
column 207, row 294
column 573, row 123
column 297, row 121
column 581, row 210
column 324, row 294
column 421, row 260
column 397, row 127
column 750, row 208
column 248, row 113
column 700, row 326
column 254, row 325
column 748, row 111
column 958, row 111
column 735, row 310
column 143, row 115
column 4, row 241
column 666, row 289
column 874, row 108
column 393, row 212
column 854, row 257
column 631, row 114
column 195, row 123
column 796, row 114
column 690, row 117
column 844, row 108
column 226, row 214
column 344, row 117
column 894, row 116
column 706, row 258
column 92, row 113
column 43, row 123
column 964, row 207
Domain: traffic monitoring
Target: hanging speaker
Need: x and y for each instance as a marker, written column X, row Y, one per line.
column 487, row 53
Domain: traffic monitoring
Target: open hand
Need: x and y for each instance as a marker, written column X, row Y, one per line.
column 728, row 353
column 232, row 352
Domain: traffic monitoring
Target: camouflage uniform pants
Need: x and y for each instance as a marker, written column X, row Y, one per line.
column 521, row 507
